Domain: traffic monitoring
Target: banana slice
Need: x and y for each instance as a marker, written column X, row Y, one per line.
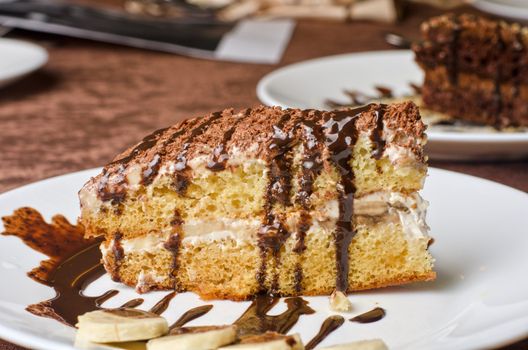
column 120, row 325
column 374, row 344
column 268, row 341
column 197, row 338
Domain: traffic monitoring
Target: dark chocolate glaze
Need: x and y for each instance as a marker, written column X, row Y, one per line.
column 341, row 136
column 163, row 304
column 132, row 303
column 376, row 135
column 256, row 321
column 452, row 59
column 219, row 157
column 190, row 315
column 373, row 315
column 272, row 233
column 329, row 325
column 118, row 254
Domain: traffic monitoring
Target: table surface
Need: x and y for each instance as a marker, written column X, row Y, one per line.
column 93, row 100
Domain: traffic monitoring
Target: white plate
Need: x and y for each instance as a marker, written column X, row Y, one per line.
column 309, row 84
column 18, row 58
column 479, row 300
column 516, row 9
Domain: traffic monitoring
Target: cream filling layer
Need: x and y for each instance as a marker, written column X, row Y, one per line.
column 410, row 210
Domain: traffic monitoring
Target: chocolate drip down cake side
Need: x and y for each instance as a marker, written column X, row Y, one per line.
column 267, row 200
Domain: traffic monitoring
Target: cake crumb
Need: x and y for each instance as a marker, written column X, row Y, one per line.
column 340, row 302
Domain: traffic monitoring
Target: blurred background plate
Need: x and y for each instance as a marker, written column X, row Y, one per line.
column 310, row 84
column 517, row 9
column 19, row 58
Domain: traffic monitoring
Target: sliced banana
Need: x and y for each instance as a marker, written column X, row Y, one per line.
column 84, row 344
column 374, row 344
column 268, row 341
column 198, row 338
column 120, row 325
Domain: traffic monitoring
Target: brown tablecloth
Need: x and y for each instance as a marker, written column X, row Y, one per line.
column 93, row 100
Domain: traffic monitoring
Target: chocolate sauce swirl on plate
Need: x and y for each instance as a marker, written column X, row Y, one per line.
column 329, row 325
column 373, row 315
column 255, row 319
column 73, row 263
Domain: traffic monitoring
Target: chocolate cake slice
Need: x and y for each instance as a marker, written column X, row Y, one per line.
column 476, row 69
column 267, row 200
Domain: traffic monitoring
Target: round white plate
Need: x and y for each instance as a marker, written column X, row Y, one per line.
column 516, row 9
column 18, row 58
column 479, row 300
column 310, row 83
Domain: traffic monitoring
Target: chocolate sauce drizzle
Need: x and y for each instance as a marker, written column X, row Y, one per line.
column 151, row 171
column 373, row 315
column 117, row 196
column 132, row 303
column 73, row 263
column 329, row 325
column 173, row 246
column 312, row 164
column 219, row 157
column 256, row 321
column 163, row 304
column 148, row 142
column 181, row 158
column 181, row 181
column 118, row 254
column 341, row 136
column 376, row 135
column 273, row 233
column 190, row 315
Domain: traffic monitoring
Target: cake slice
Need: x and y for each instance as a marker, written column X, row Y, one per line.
column 476, row 69
column 267, row 200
